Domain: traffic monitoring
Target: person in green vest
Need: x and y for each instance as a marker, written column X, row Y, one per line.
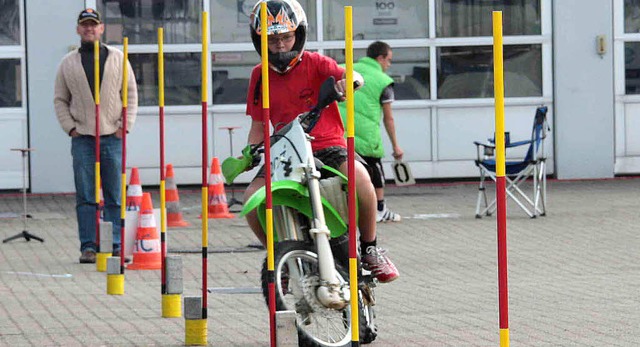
column 373, row 102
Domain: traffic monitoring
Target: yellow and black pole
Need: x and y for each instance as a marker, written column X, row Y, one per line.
column 101, row 258
column 501, row 198
column 115, row 282
column 351, row 175
column 196, row 329
column 266, row 115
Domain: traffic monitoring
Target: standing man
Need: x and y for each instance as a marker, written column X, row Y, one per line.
column 75, row 108
column 373, row 101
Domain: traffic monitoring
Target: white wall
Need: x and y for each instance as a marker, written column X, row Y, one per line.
column 47, row 43
column 583, row 84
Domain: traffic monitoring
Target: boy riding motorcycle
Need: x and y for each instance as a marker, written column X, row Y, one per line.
column 295, row 77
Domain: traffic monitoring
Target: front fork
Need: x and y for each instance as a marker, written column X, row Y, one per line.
column 330, row 293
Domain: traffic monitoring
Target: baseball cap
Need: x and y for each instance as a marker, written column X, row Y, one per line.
column 89, row 14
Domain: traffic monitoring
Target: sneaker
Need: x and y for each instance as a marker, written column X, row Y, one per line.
column 377, row 261
column 88, row 257
column 116, row 253
column 387, row 215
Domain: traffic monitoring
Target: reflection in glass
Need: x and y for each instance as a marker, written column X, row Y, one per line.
column 181, row 78
column 467, row 72
column 230, row 20
column 455, row 18
column 631, row 16
column 230, row 76
column 379, row 19
column 9, row 22
column 10, row 83
column 409, row 70
column 139, row 20
column 632, row 67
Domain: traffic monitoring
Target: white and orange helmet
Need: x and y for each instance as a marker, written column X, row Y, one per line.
column 283, row 16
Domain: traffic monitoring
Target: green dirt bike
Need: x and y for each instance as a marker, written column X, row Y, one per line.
column 310, row 234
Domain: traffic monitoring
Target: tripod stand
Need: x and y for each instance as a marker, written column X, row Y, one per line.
column 27, row 235
column 232, row 201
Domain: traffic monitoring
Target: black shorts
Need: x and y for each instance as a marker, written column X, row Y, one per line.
column 331, row 156
column 374, row 166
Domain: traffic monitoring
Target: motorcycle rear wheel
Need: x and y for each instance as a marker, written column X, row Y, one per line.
column 316, row 324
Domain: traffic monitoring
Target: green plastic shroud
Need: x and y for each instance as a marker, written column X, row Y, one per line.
column 296, row 196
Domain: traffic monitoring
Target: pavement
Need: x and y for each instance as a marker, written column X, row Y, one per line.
column 573, row 274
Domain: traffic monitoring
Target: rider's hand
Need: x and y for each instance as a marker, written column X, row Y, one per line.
column 257, row 157
column 341, row 87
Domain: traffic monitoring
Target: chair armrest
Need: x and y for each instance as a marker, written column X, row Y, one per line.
column 518, row 143
column 484, row 144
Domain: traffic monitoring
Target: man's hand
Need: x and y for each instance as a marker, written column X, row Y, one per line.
column 119, row 133
column 74, row 133
column 397, row 153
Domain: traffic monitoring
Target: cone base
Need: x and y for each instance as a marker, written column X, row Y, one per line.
column 144, row 261
column 144, row 266
column 219, row 215
column 179, row 222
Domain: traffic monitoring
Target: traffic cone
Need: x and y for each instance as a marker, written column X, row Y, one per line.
column 101, row 204
column 218, row 207
column 174, row 216
column 146, row 250
column 134, row 191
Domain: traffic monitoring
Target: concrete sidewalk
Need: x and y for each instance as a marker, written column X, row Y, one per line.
column 573, row 275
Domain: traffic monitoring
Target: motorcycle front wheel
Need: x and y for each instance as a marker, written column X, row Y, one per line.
column 296, row 281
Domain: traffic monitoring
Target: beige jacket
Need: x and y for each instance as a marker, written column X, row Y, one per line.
column 74, row 103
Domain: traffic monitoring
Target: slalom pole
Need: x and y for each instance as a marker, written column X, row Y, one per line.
column 101, row 261
column 351, row 176
column 205, row 156
column 171, row 304
column 115, row 282
column 163, row 273
column 266, row 114
column 196, row 323
column 501, row 198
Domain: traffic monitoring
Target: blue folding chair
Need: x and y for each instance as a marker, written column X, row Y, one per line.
column 516, row 172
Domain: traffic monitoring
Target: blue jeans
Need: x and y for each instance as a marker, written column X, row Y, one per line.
column 83, row 152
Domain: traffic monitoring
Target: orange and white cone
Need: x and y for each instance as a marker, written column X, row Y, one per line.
column 174, row 216
column 101, row 204
column 134, row 191
column 218, row 207
column 146, row 249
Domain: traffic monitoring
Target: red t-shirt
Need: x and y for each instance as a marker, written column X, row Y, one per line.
column 296, row 92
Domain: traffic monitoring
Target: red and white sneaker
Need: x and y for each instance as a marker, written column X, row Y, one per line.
column 377, row 261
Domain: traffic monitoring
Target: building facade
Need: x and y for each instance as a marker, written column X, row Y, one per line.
column 579, row 57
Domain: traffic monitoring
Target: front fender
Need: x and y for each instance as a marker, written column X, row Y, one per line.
column 296, row 196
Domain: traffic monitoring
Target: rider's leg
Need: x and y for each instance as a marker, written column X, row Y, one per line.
column 252, row 217
column 366, row 202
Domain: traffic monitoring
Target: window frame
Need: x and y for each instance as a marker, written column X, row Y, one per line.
column 17, row 52
column 431, row 43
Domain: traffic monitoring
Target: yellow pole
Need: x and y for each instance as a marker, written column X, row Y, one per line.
column 96, row 96
column 353, row 260
column 101, row 258
column 115, row 282
column 264, row 54
column 196, row 329
column 501, row 199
